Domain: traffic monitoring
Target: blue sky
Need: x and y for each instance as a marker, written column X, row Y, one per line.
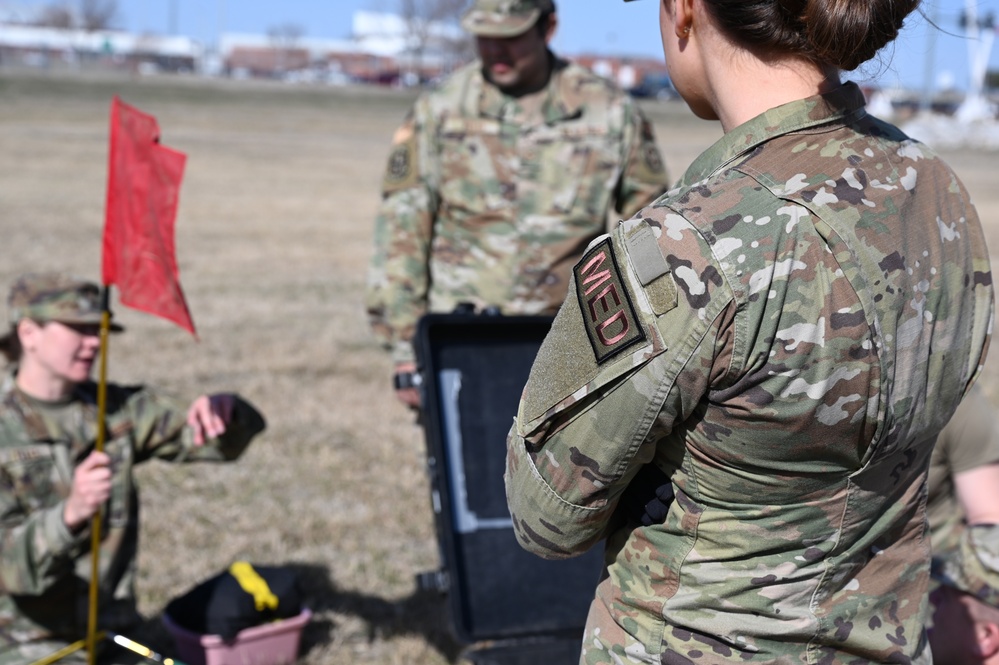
column 596, row 26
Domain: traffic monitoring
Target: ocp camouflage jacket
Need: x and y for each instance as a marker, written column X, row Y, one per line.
column 784, row 335
column 488, row 204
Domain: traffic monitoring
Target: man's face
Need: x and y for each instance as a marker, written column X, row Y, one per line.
column 517, row 65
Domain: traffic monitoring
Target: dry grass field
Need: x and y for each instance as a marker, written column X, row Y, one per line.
column 273, row 237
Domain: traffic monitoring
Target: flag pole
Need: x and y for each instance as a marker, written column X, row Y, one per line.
column 95, row 523
column 67, row 650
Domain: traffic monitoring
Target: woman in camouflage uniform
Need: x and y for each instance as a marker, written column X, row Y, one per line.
column 783, row 334
column 52, row 481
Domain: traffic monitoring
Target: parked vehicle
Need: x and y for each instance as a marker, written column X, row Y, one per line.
column 654, row 86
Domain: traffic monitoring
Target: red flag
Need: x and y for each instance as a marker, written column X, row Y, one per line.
column 143, row 186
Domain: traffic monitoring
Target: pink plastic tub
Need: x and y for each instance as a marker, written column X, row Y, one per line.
column 274, row 643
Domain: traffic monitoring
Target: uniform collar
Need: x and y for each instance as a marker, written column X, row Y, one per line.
column 845, row 103
column 562, row 102
column 13, row 400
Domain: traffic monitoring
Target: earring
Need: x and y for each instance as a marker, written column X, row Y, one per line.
column 686, row 31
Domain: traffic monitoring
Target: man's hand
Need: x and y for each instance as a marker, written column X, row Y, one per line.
column 91, row 488
column 209, row 415
column 408, row 396
column 648, row 498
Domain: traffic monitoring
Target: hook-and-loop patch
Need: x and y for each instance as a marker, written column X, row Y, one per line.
column 609, row 315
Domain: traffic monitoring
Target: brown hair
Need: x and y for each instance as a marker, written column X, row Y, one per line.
column 842, row 33
column 10, row 345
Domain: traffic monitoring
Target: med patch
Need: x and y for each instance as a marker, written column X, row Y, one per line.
column 609, row 316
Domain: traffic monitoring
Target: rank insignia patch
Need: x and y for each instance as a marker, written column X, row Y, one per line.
column 399, row 164
column 653, row 160
column 403, row 171
column 608, row 313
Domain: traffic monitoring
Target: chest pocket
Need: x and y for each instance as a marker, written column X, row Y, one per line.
column 564, row 170
column 573, row 170
column 477, row 173
column 32, row 476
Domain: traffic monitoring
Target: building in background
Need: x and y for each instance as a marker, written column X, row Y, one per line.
column 390, row 49
column 383, row 48
column 642, row 77
column 34, row 46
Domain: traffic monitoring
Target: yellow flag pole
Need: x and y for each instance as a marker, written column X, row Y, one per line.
column 95, row 522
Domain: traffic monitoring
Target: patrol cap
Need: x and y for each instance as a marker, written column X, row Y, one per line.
column 974, row 567
column 55, row 296
column 504, row 18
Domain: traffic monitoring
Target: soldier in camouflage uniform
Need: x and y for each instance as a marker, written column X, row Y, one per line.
column 52, row 481
column 784, row 334
column 498, row 180
column 963, row 511
column 963, row 480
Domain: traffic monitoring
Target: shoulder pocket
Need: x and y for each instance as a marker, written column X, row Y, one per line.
column 578, row 166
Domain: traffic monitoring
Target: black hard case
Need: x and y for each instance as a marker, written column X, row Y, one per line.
column 524, row 608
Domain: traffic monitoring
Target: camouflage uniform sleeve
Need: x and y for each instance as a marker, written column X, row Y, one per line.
column 160, row 429
column 398, row 276
column 974, row 567
column 37, row 550
column 644, row 177
column 624, row 353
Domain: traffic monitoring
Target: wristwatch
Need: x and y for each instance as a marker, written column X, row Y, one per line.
column 404, row 380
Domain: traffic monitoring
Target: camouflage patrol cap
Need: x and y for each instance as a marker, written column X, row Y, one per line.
column 974, row 567
column 54, row 296
column 504, row 18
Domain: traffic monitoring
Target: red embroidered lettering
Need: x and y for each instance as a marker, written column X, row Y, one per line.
column 599, row 277
column 602, row 329
column 605, row 303
column 601, row 298
column 604, row 299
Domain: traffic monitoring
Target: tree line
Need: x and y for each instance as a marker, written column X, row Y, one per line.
column 80, row 15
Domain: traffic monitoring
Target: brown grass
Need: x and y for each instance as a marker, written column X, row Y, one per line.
column 273, row 237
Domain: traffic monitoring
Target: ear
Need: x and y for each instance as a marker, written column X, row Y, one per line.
column 683, row 17
column 987, row 638
column 27, row 330
column 550, row 28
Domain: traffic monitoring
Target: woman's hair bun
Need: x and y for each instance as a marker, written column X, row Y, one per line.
column 843, row 33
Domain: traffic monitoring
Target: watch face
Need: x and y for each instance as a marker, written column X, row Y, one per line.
column 403, row 380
